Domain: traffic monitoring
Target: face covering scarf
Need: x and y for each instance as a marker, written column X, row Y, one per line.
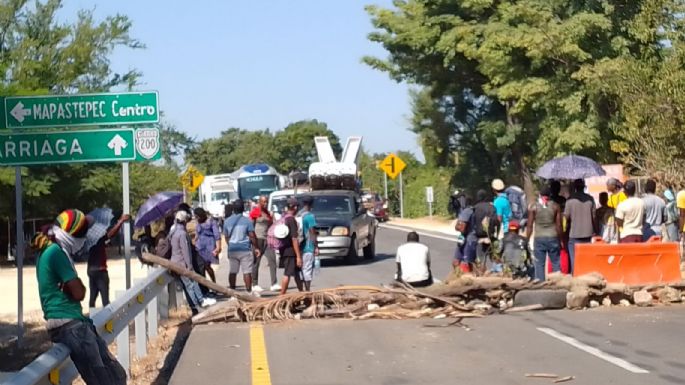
column 70, row 244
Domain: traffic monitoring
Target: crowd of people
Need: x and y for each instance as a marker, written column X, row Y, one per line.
column 555, row 224
column 192, row 240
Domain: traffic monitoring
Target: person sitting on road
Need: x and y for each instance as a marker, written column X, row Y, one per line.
column 514, row 251
column 414, row 262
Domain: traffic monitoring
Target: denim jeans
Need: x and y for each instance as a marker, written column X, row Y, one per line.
column 572, row 242
column 193, row 291
column 98, row 281
column 90, row 355
column 545, row 246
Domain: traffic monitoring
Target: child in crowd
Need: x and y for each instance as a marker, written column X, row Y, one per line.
column 515, row 257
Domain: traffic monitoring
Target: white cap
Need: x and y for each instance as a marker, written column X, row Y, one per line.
column 182, row 216
column 498, row 185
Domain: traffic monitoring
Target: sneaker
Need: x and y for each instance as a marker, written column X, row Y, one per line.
column 276, row 287
column 207, row 302
column 257, row 288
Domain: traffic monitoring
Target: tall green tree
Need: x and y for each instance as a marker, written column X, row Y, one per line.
column 516, row 67
column 295, row 144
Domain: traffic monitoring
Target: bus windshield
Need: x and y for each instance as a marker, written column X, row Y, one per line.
column 254, row 186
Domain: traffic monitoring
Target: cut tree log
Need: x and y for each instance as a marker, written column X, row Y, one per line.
column 179, row 270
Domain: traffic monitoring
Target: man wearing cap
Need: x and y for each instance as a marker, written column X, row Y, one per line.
column 502, row 205
column 544, row 219
column 242, row 246
column 580, row 220
column 291, row 255
column 181, row 254
column 61, row 292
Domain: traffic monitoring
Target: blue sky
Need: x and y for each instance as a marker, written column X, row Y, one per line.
column 263, row 64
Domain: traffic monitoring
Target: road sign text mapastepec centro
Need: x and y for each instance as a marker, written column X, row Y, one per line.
column 81, row 110
column 393, row 165
column 54, row 147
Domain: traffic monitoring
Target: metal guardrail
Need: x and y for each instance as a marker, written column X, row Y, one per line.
column 54, row 366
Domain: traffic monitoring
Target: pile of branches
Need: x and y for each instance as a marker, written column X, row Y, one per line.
column 458, row 298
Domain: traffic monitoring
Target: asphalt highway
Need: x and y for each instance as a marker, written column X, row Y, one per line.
column 600, row 346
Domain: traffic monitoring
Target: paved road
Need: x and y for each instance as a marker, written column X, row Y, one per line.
column 602, row 346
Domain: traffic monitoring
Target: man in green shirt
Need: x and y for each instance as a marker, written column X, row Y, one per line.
column 61, row 292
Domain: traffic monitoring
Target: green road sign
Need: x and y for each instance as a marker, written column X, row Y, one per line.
column 81, row 110
column 107, row 145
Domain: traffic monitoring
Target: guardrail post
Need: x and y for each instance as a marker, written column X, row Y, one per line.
column 140, row 328
column 123, row 345
column 163, row 302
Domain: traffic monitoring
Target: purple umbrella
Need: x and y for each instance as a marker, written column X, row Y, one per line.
column 570, row 167
column 157, row 207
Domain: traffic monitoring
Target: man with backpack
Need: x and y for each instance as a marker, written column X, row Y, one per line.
column 309, row 245
column 284, row 237
column 242, row 246
column 502, row 206
column 484, row 224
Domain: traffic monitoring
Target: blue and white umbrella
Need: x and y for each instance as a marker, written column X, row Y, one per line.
column 102, row 218
column 570, row 167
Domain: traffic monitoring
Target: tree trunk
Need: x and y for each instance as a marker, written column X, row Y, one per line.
column 518, row 159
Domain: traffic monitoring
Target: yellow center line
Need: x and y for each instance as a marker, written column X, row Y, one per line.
column 260, row 362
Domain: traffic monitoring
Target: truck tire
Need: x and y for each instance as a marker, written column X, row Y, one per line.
column 352, row 257
column 370, row 249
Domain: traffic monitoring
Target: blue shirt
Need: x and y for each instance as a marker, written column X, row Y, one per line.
column 239, row 228
column 308, row 222
column 503, row 209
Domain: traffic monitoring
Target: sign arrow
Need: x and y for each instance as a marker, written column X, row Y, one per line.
column 19, row 112
column 117, row 144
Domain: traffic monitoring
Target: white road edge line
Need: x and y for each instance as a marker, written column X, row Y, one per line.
column 407, row 230
column 594, row 351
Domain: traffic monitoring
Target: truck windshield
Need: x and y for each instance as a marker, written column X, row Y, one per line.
column 223, row 196
column 333, row 205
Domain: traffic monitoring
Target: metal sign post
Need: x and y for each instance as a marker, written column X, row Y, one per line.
column 18, row 191
column 429, row 199
column 127, row 224
column 401, row 197
column 385, row 180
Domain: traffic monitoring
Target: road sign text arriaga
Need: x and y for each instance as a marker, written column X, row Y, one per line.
column 81, row 110
column 54, row 147
column 393, row 165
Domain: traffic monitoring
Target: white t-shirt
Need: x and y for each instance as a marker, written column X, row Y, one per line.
column 414, row 258
column 632, row 211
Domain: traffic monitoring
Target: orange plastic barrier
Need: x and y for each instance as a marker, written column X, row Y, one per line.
column 646, row 263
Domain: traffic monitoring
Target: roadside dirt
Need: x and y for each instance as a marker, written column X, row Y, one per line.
column 154, row 369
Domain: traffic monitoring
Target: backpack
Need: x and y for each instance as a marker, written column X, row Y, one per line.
column 517, row 201
column 484, row 221
column 272, row 240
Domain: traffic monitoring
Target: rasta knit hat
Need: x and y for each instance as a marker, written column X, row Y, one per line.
column 73, row 222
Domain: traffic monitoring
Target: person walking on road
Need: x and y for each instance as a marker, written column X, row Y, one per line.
column 580, row 220
column 291, row 255
column 242, row 246
column 630, row 216
column 309, row 245
column 414, row 262
column 544, row 217
column 98, row 276
column 262, row 219
column 181, row 255
column 61, row 292
column 655, row 212
column 207, row 241
column 502, row 206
